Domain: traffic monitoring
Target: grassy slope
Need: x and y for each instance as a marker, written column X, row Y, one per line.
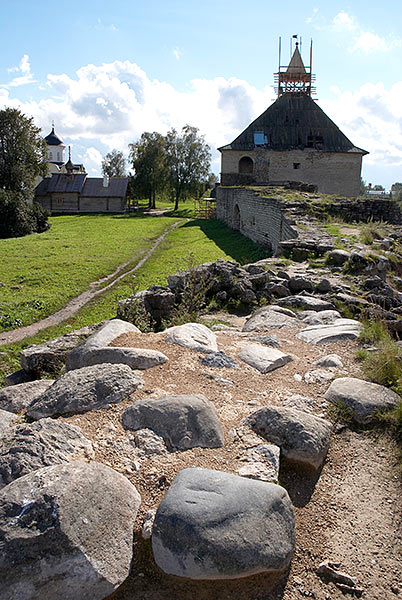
column 39, row 273
column 196, row 240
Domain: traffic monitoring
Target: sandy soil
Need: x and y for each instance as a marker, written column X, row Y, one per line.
column 349, row 513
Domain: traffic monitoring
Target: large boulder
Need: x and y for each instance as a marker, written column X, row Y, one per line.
column 194, row 336
column 49, row 357
column 363, row 398
column 184, row 421
column 66, row 531
column 262, row 358
column 6, row 420
column 270, row 318
column 86, row 389
column 97, row 349
column 31, row 446
column 302, row 437
column 16, row 398
column 340, row 330
column 214, row 525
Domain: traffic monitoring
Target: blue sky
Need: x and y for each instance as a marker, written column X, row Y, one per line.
column 105, row 72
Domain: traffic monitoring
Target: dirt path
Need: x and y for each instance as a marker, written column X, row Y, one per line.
column 16, row 335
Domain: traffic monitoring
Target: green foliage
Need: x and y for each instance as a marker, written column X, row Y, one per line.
column 385, row 366
column 188, row 159
column 374, row 331
column 22, row 153
column 149, row 160
column 114, row 164
column 393, row 419
column 18, row 217
column 370, row 232
column 338, row 412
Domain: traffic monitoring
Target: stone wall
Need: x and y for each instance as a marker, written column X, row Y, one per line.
column 260, row 219
column 367, row 209
column 332, row 172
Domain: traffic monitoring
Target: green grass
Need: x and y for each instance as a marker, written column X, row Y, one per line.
column 40, row 273
column 204, row 240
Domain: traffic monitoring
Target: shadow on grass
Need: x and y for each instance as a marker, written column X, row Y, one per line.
column 233, row 243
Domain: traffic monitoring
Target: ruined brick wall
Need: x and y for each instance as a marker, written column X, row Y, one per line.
column 331, row 172
column 260, row 219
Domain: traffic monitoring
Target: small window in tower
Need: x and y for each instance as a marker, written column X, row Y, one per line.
column 51, row 155
column 58, row 156
column 259, row 138
column 296, row 165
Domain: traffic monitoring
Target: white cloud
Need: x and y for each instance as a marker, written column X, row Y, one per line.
column 372, row 42
column 345, row 21
column 362, row 41
column 176, row 53
column 100, row 26
column 108, row 106
column 26, row 76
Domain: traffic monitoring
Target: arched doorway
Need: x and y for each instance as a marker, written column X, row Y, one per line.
column 246, row 165
column 236, row 217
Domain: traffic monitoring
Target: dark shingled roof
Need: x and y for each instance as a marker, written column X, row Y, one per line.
column 52, row 139
column 60, row 183
column 90, row 187
column 295, row 121
column 94, row 187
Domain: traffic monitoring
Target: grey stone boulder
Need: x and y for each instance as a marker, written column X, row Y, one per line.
column 20, row 376
column 220, row 360
column 16, row 398
column 262, row 462
column 6, row 420
column 31, row 446
column 66, row 531
column 194, row 336
column 363, row 398
column 329, row 360
column 340, row 330
column 214, row 525
column 267, row 340
column 148, row 442
column 97, row 349
column 302, row 437
column 263, row 359
column 183, row 421
column 86, row 389
column 306, row 302
column 269, row 318
column 298, row 284
column 49, row 357
column 338, row 258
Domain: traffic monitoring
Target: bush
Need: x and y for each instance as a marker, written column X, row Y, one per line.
column 19, row 218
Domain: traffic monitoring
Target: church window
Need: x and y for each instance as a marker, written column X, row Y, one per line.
column 58, row 156
column 51, row 155
column 296, row 165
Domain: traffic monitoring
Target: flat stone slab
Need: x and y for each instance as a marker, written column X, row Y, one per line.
column 66, row 531
column 6, row 420
column 341, row 330
column 324, row 317
column 306, row 302
column 31, row 446
column 183, row 421
column 302, row 437
column 97, row 349
column 262, row 358
column 16, row 398
column 214, row 525
column 269, row 318
column 363, row 398
column 86, row 389
column 194, row 336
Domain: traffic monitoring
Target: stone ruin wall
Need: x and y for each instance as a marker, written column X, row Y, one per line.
column 264, row 220
column 260, row 219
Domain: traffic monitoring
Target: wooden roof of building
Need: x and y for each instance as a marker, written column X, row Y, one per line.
column 90, row 187
column 294, row 121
